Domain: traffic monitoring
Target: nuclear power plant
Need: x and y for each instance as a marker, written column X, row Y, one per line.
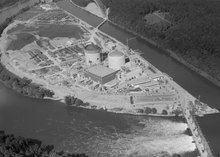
column 116, row 59
column 102, row 71
column 92, row 54
column 90, row 69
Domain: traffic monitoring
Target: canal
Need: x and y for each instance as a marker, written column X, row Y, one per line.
column 189, row 80
column 104, row 134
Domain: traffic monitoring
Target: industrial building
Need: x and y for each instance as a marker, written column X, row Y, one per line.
column 100, row 74
column 116, row 59
column 92, row 54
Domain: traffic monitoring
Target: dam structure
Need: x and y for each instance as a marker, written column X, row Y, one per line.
column 97, row 69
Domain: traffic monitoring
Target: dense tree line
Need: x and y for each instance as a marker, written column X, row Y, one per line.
column 73, row 101
column 194, row 33
column 5, row 24
column 11, row 146
column 23, row 85
column 9, row 20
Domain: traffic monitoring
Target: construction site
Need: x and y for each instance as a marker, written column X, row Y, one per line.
column 92, row 66
column 89, row 65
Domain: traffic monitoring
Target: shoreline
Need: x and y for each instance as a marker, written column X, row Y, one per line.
column 171, row 53
column 60, row 96
column 122, row 111
column 204, row 144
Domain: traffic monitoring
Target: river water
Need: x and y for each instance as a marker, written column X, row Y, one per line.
column 99, row 133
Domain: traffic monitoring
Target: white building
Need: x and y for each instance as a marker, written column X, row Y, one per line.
column 116, row 59
column 92, row 54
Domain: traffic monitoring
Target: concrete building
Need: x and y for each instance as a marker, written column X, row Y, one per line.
column 92, row 54
column 133, row 74
column 100, row 74
column 116, row 59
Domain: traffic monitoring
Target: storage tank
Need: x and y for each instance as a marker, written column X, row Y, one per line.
column 116, row 59
column 92, row 54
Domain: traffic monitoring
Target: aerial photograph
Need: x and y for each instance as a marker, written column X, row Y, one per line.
column 109, row 78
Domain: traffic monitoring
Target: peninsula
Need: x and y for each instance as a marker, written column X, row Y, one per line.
column 90, row 66
column 68, row 56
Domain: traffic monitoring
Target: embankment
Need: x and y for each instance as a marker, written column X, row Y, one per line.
column 167, row 51
column 204, row 142
column 21, row 85
column 15, row 9
column 172, row 54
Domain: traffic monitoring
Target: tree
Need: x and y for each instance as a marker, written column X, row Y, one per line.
column 154, row 110
column 140, row 110
column 147, row 110
column 68, row 100
column 177, row 112
column 164, row 112
column 78, row 102
column 20, row 147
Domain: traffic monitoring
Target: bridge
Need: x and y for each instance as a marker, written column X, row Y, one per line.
column 104, row 11
column 94, row 32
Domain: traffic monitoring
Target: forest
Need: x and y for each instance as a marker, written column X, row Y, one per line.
column 11, row 146
column 194, row 33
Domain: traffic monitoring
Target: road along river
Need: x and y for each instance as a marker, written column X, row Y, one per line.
column 106, row 134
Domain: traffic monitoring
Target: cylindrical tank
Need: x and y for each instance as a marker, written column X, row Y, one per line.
column 116, row 59
column 92, row 54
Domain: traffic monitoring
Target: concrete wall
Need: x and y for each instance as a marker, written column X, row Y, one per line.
column 15, row 9
column 92, row 76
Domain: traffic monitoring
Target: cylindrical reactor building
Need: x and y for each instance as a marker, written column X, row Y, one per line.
column 116, row 59
column 92, row 54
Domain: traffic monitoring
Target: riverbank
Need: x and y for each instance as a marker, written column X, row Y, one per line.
column 167, row 51
column 173, row 55
column 22, row 85
column 20, row 146
column 99, row 102
column 204, row 147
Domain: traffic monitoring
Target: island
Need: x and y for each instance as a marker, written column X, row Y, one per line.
column 85, row 67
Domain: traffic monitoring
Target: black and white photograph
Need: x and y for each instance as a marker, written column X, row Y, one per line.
column 109, row 78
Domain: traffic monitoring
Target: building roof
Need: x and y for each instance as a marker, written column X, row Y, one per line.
column 100, row 70
column 92, row 47
column 153, row 76
column 140, row 80
column 150, row 84
column 116, row 53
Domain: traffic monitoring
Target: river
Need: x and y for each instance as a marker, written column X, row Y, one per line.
column 188, row 79
column 97, row 133
column 191, row 81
